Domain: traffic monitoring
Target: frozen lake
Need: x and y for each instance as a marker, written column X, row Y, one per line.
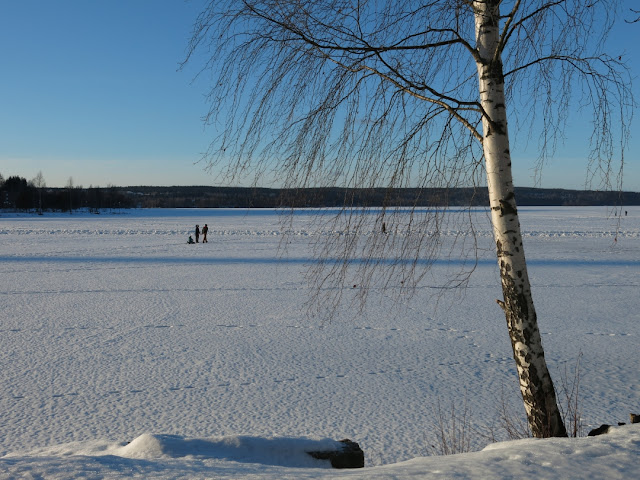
column 112, row 327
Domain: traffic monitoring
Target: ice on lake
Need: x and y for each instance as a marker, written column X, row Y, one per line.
column 113, row 327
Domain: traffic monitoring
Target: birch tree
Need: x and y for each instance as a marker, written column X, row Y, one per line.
column 415, row 94
column 39, row 183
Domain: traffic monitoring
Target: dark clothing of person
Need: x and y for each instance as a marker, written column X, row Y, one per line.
column 197, row 233
column 205, row 229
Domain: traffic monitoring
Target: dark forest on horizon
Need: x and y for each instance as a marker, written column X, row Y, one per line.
column 17, row 193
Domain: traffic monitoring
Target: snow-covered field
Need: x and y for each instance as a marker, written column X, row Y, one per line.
column 125, row 352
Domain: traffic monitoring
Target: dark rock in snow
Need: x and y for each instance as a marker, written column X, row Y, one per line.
column 635, row 418
column 601, row 430
column 347, row 455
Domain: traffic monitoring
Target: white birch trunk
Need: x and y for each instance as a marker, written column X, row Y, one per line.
column 535, row 382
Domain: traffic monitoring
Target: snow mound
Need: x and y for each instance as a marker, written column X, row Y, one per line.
column 282, row 451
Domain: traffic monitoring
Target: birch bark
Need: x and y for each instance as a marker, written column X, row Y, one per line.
column 536, row 385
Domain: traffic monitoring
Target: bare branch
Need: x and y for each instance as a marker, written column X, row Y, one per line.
column 504, row 37
column 440, row 100
column 385, row 94
column 635, row 20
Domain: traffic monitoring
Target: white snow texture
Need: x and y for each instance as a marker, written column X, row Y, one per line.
column 126, row 353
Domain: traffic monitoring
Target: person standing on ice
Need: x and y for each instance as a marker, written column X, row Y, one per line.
column 205, row 229
column 197, row 233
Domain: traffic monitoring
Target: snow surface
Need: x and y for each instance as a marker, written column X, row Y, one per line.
column 125, row 352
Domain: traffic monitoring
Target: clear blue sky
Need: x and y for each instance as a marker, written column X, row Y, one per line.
column 89, row 89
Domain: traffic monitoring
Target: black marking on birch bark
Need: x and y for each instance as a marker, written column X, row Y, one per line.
column 507, row 208
column 500, row 252
column 499, row 127
column 494, row 71
column 490, row 21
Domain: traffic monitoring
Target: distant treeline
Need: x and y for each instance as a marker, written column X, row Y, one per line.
column 16, row 193
column 234, row 197
column 19, row 194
